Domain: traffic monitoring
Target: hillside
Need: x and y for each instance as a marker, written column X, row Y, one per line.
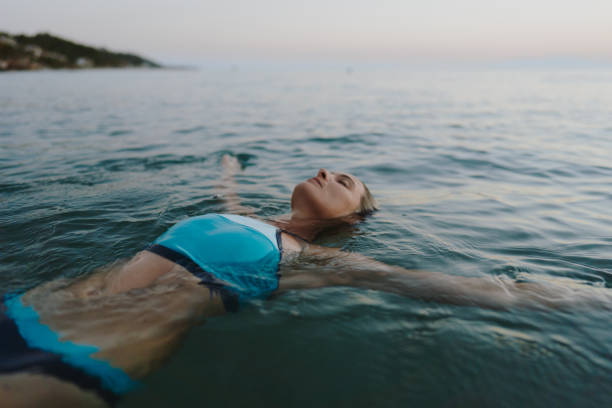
column 46, row 51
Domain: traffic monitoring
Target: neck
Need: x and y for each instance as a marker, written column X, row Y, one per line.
column 305, row 228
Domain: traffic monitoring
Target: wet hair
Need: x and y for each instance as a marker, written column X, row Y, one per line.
column 368, row 204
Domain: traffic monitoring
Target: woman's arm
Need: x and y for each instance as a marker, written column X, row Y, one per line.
column 227, row 190
column 321, row 267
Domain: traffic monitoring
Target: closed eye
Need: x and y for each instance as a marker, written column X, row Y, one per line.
column 345, row 182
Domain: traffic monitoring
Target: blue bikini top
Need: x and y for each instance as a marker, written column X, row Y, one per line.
column 240, row 253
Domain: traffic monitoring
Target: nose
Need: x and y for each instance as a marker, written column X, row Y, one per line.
column 323, row 173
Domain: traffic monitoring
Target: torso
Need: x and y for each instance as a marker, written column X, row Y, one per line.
column 146, row 266
column 91, row 301
column 131, row 311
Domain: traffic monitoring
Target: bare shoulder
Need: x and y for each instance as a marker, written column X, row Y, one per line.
column 292, row 244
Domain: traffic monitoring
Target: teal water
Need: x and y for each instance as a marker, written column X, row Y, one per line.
column 503, row 173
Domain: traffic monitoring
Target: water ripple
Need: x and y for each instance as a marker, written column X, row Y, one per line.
column 494, row 174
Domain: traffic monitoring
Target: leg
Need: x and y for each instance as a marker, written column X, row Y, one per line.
column 38, row 390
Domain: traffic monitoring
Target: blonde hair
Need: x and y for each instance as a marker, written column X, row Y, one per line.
column 368, row 204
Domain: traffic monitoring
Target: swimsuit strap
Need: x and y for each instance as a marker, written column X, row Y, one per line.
column 293, row 234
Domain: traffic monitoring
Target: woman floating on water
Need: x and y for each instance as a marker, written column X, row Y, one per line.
column 85, row 342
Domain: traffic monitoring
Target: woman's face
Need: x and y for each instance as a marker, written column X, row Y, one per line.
column 328, row 195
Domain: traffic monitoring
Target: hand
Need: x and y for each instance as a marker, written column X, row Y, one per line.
column 230, row 164
column 227, row 189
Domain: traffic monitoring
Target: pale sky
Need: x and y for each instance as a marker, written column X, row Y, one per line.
column 319, row 30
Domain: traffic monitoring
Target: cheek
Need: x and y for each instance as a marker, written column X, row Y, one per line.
column 349, row 204
column 339, row 203
column 315, row 203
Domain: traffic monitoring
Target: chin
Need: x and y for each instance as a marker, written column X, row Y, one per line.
column 305, row 200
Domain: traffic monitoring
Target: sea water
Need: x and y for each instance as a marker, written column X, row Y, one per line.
column 477, row 172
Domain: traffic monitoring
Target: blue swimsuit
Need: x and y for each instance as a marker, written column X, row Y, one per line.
column 235, row 256
column 27, row 345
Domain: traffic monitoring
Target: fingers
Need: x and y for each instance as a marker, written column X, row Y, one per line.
column 230, row 163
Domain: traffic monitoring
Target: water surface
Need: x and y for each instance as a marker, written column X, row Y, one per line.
column 478, row 173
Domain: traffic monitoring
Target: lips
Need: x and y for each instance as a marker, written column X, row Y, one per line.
column 316, row 181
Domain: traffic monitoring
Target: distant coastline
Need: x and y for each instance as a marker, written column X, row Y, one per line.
column 46, row 51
